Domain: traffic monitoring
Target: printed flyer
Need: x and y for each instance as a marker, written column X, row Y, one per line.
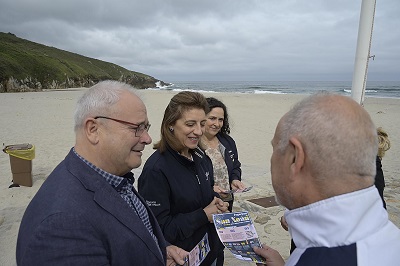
column 238, row 190
column 198, row 253
column 237, row 232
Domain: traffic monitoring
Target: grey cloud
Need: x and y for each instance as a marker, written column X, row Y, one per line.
column 200, row 40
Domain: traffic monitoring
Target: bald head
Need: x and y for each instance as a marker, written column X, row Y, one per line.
column 337, row 134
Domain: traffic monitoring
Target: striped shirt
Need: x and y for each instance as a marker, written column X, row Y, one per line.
column 124, row 186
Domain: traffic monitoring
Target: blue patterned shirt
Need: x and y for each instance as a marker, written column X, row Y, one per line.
column 124, row 186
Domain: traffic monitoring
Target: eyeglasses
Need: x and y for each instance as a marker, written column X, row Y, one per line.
column 139, row 129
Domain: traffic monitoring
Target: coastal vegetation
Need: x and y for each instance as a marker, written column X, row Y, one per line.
column 30, row 66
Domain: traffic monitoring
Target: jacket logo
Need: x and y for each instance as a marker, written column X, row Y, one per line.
column 231, row 155
column 153, row 203
column 207, row 174
column 198, row 154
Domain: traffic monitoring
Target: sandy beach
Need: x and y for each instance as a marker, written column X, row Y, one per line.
column 45, row 119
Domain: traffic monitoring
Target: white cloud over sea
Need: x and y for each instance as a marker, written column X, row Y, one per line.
column 183, row 40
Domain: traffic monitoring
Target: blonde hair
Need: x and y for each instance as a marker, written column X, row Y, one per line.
column 384, row 142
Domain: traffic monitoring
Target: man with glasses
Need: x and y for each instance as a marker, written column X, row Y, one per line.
column 87, row 212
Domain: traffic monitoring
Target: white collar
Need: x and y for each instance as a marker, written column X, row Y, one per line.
column 333, row 222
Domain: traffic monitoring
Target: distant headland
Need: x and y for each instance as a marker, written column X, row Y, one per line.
column 29, row 66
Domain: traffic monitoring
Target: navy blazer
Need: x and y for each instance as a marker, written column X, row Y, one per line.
column 78, row 218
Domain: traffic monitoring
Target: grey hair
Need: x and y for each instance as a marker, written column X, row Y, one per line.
column 338, row 141
column 99, row 99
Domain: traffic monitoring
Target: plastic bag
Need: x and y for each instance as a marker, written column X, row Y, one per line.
column 24, row 151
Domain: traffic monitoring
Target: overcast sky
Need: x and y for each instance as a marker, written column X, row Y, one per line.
column 218, row 40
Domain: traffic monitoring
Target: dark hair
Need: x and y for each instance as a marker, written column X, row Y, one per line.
column 213, row 103
column 180, row 103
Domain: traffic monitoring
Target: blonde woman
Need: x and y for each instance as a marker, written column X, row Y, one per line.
column 384, row 145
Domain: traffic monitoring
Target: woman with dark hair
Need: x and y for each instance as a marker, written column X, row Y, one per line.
column 221, row 148
column 176, row 180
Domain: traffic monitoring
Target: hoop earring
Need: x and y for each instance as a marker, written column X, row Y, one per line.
column 171, row 129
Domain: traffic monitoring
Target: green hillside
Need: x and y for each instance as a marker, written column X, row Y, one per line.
column 34, row 66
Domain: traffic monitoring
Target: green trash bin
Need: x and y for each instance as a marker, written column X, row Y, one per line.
column 21, row 156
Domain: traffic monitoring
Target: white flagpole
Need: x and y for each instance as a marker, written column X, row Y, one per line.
column 365, row 28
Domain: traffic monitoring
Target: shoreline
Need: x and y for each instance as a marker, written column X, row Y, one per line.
column 211, row 93
column 45, row 119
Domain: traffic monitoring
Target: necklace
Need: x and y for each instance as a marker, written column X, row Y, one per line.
column 189, row 157
column 211, row 143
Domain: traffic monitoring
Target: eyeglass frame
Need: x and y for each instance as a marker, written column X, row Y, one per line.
column 139, row 130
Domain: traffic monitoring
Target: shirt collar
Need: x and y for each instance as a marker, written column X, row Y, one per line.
column 117, row 182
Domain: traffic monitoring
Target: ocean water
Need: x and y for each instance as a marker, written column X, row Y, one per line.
column 380, row 89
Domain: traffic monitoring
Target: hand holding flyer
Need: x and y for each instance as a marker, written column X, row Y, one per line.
column 238, row 190
column 237, row 232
